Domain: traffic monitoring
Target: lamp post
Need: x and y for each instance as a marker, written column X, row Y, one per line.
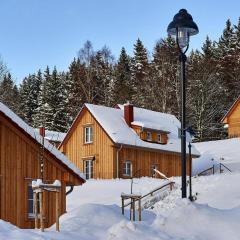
column 182, row 27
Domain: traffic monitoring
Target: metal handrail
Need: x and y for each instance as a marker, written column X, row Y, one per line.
column 151, row 193
column 211, row 168
column 221, row 164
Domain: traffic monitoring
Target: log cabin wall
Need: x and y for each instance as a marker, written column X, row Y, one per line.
column 143, row 160
column 100, row 150
column 19, row 165
column 234, row 122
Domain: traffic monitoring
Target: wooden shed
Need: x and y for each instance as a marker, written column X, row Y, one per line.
column 123, row 142
column 232, row 119
column 19, row 165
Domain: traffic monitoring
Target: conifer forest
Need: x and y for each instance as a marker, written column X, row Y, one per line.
column 148, row 79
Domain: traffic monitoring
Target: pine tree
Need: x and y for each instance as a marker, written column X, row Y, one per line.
column 9, row 94
column 203, row 96
column 122, row 85
column 226, row 54
column 140, row 74
column 55, row 106
column 77, row 93
column 164, row 80
column 29, row 91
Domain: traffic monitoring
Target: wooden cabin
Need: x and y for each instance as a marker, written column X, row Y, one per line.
column 20, row 147
column 232, row 119
column 123, row 142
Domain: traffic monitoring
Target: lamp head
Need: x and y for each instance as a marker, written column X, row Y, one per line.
column 182, row 27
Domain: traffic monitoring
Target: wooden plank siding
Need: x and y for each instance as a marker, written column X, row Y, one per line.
column 19, row 165
column 234, row 122
column 142, row 160
column 101, row 147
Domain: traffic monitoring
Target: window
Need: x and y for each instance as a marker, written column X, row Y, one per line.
column 127, row 168
column 153, row 173
column 159, row 139
column 30, row 201
column 88, row 135
column 89, row 169
column 149, row 136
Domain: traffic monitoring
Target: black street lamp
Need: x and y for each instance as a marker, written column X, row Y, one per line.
column 182, row 27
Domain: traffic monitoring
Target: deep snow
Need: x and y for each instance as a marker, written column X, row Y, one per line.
column 94, row 211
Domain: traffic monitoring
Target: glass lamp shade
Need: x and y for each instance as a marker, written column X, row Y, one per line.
column 182, row 27
column 182, row 37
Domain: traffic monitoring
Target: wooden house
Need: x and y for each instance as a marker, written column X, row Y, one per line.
column 19, row 165
column 232, row 119
column 123, row 142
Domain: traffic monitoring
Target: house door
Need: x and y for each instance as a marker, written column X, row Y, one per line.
column 89, row 169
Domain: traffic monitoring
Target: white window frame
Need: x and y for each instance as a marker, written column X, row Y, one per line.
column 149, row 136
column 88, row 171
column 159, row 138
column 88, row 134
column 31, row 214
column 127, row 168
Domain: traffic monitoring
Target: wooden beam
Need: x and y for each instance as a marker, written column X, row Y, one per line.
column 57, row 211
column 35, row 209
column 41, row 211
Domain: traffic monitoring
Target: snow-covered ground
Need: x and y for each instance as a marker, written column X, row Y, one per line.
column 214, row 152
column 94, row 211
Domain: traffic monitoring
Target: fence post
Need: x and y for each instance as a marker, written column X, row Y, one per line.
column 35, row 208
column 134, row 209
column 41, row 210
column 139, row 210
column 122, row 206
column 57, row 210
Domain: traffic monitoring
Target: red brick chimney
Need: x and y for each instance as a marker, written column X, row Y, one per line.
column 42, row 131
column 128, row 113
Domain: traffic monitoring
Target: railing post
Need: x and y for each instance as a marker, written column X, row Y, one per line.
column 133, row 209
column 139, row 210
column 213, row 169
column 122, row 206
column 131, row 206
column 220, row 168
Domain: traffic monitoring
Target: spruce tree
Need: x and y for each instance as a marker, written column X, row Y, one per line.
column 140, row 74
column 29, row 91
column 9, row 94
column 122, row 85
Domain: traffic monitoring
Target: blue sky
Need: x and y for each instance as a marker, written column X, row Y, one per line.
column 37, row 33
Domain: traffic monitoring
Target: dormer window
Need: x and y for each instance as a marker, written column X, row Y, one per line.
column 149, row 136
column 159, row 138
column 88, row 134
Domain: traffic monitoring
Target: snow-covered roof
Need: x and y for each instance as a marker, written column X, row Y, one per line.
column 35, row 135
column 113, row 122
column 155, row 120
column 53, row 135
